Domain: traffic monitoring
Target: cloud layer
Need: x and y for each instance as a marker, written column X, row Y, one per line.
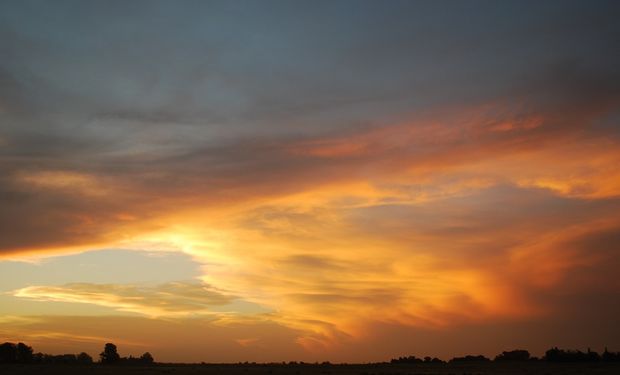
column 395, row 166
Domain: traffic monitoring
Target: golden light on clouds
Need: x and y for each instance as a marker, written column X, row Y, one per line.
column 162, row 300
column 303, row 190
column 314, row 256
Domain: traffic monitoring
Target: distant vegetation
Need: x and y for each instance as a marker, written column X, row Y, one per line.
column 551, row 355
column 22, row 353
column 559, row 355
column 514, row 355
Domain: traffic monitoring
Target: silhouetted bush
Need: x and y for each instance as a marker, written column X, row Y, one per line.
column 84, row 358
column 50, row 358
column 514, row 355
column 146, row 358
column 8, row 353
column 610, row 356
column 24, row 353
column 560, row 355
column 432, row 360
column 470, row 358
column 64, row 358
column 410, row 359
column 11, row 353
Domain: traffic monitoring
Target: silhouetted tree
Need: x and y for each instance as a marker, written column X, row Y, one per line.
column 109, row 354
column 64, row 358
column 560, row 355
column 610, row 356
column 24, row 353
column 8, row 353
column 146, row 358
column 84, row 358
column 514, row 355
column 592, row 356
column 470, row 358
column 409, row 359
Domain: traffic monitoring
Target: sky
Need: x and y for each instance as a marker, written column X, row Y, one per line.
column 309, row 180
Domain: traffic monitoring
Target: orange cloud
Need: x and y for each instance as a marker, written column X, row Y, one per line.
column 423, row 224
column 170, row 299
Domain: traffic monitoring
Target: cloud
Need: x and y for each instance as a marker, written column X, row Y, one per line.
column 424, row 175
column 169, row 299
column 414, row 224
column 406, row 162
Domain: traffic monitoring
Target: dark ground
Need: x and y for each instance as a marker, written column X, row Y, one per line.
column 533, row 368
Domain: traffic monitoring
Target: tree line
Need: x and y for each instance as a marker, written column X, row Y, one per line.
column 22, row 353
column 551, row 355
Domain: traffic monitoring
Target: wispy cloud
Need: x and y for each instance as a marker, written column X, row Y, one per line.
column 174, row 298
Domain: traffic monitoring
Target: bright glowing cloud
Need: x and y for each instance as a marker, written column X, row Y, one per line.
column 175, row 298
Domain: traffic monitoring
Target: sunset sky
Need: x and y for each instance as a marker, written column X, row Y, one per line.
column 309, row 180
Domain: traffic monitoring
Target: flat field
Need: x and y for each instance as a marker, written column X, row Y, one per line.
column 530, row 368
